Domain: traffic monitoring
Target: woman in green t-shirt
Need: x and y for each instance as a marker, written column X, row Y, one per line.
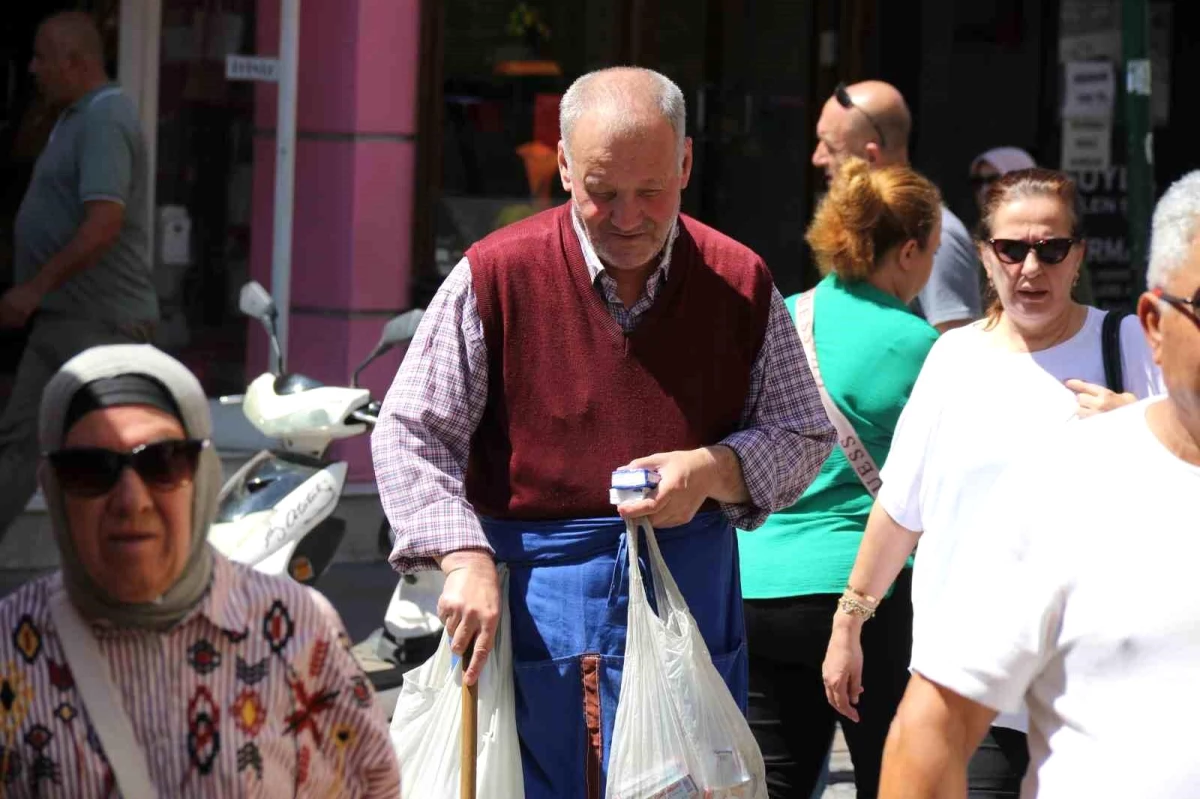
column 873, row 237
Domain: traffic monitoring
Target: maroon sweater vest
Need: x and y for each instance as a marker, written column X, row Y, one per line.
column 571, row 397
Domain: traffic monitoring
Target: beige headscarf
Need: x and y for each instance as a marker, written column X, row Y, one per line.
column 100, row 363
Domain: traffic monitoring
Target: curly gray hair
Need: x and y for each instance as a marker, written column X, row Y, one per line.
column 1176, row 223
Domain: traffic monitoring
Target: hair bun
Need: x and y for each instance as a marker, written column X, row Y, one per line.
column 868, row 211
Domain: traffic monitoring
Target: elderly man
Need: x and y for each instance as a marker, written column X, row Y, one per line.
column 871, row 120
column 566, row 346
column 150, row 663
column 81, row 267
column 1096, row 519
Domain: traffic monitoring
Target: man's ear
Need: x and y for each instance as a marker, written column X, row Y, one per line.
column 564, row 169
column 1150, row 313
column 686, row 165
column 872, row 154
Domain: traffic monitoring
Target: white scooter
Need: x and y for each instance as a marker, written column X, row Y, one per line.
column 275, row 513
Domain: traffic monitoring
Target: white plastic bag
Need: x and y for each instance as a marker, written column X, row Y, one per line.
column 427, row 723
column 678, row 733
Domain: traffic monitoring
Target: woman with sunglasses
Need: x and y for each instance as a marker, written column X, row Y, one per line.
column 987, row 393
column 149, row 663
column 873, row 237
column 990, row 166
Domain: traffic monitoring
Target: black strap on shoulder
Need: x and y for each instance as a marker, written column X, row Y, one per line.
column 1110, row 350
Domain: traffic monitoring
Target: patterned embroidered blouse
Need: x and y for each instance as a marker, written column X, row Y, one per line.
column 254, row 694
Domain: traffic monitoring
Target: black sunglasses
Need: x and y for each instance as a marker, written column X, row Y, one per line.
column 979, row 181
column 844, row 100
column 1049, row 251
column 1180, row 303
column 94, row 471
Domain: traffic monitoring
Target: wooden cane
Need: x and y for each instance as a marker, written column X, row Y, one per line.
column 470, row 727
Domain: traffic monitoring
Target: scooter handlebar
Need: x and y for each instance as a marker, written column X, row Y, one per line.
column 363, row 417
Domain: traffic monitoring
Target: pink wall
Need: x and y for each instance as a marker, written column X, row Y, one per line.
column 351, row 248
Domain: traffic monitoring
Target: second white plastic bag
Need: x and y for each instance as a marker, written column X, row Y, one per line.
column 678, row 733
column 427, row 723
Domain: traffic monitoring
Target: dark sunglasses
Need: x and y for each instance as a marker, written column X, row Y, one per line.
column 94, row 471
column 979, row 181
column 844, row 100
column 1188, row 308
column 1049, row 251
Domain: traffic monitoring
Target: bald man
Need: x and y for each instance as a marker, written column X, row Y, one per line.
column 871, row 120
column 609, row 331
column 81, row 268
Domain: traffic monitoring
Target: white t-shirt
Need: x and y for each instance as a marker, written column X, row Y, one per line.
column 1077, row 596
column 974, row 409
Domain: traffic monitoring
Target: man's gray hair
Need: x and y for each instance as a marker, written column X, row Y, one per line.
column 623, row 92
column 1176, row 219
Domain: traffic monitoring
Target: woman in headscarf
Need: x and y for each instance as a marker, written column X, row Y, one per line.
column 989, row 166
column 149, row 662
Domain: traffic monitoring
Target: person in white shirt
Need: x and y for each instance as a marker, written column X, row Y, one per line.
column 1075, row 595
column 987, row 394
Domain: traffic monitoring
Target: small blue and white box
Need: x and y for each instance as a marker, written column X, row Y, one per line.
column 632, row 484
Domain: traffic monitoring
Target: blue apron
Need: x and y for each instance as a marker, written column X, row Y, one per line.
column 568, row 601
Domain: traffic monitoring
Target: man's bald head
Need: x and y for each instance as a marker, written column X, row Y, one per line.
column 625, row 100
column 74, row 34
column 68, row 56
column 885, row 105
column 875, row 126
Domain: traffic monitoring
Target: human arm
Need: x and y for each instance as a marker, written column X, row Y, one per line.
column 930, row 742
column 885, row 547
column 420, row 448
column 765, row 465
column 96, row 234
column 995, row 623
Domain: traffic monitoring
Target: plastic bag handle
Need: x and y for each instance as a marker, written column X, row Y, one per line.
column 666, row 591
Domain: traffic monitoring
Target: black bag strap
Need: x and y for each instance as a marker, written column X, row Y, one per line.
column 1110, row 350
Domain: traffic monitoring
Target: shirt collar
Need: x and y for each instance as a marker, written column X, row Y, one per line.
column 596, row 268
column 92, row 96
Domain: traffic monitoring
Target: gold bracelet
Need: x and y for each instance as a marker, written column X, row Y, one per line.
column 852, row 607
column 870, row 600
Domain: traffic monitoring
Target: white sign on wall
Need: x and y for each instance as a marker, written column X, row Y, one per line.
column 1086, row 144
column 1090, row 91
column 250, row 67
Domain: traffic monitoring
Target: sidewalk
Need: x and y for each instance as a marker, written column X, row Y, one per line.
column 841, row 771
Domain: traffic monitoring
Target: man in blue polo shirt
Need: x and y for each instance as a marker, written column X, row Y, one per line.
column 81, row 269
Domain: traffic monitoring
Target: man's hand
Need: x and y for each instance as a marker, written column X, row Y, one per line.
column 1094, row 399
column 470, row 606
column 18, row 304
column 685, row 482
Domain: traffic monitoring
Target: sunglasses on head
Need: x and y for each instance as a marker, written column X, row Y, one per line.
column 94, row 471
column 845, row 101
column 1049, row 251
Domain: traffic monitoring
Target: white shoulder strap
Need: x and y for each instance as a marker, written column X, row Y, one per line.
column 860, row 459
column 89, row 668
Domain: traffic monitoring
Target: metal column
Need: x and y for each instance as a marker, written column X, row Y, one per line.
column 1135, row 44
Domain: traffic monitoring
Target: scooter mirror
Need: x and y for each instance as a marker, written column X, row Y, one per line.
column 401, row 328
column 255, row 302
